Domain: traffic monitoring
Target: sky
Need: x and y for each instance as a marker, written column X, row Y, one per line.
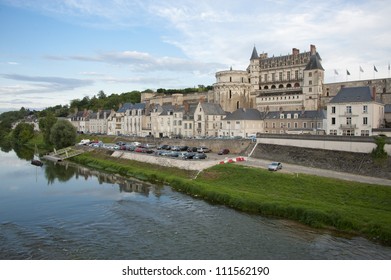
column 52, row 52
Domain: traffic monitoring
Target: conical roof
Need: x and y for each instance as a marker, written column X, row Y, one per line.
column 254, row 55
column 314, row 63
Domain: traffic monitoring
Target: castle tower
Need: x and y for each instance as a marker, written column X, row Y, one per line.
column 232, row 90
column 253, row 70
column 313, row 81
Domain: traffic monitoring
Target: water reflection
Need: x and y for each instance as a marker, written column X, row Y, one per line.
column 64, row 171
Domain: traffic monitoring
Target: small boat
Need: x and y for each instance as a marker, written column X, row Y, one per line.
column 36, row 161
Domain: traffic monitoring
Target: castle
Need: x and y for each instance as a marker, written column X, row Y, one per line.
column 278, row 94
column 278, row 83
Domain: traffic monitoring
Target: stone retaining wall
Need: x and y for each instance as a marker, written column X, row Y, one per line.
column 350, row 162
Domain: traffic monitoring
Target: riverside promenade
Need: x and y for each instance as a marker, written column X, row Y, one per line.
column 213, row 159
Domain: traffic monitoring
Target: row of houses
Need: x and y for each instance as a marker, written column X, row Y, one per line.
column 353, row 111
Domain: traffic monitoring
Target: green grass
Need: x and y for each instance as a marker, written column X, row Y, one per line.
column 316, row 201
column 320, row 202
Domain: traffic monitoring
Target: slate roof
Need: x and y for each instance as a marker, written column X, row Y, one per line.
column 131, row 106
column 101, row 114
column 353, row 94
column 310, row 114
column 212, row 109
column 314, row 63
column 254, row 54
column 244, row 114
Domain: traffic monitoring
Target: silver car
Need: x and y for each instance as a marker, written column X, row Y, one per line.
column 274, row 166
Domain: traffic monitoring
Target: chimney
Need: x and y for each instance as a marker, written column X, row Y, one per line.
column 374, row 93
column 186, row 106
column 202, row 99
column 295, row 51
column 313, row 49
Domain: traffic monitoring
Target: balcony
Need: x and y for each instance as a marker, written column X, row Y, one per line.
column 347, row 126
column 348, row 114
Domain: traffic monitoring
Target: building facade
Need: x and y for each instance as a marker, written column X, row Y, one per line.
column 355, row 111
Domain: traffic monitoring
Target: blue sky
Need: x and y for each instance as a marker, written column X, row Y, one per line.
column 54, row 51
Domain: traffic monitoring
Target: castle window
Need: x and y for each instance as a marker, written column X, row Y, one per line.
column 310, row 74
column 230, row 94
column 281, row 86
column 310, row 89
column 237, row 105
column 280, row 76
column 230, row 79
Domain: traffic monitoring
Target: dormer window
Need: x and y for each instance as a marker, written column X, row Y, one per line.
column 288, row 116
column 296, row 116
column 281, row 116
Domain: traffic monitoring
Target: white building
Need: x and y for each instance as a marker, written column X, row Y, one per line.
column 207, row 119
column 354, row 111
column 242, row 122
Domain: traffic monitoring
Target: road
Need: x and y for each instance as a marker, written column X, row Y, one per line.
column 297, row 169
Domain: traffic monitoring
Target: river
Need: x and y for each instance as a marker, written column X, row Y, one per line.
column 71, row 212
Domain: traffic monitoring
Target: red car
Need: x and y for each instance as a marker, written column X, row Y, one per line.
column 223, row 152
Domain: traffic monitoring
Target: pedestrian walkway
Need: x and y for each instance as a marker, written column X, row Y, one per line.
column 297, row 169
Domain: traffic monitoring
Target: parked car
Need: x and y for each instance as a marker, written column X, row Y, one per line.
column 163, row 147
column 203, row 149
column 192, row 149
column 200, row 156
column 223, row 152
column 274, row 166
column 188, row 155
column 84, row 142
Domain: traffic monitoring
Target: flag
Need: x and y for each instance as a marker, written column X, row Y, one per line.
column 335, row 72
column 361, row 69
column 374, row 68
column 347, row 72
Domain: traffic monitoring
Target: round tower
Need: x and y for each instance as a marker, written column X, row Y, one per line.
column 232, row 90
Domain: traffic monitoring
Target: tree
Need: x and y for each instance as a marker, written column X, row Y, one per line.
column 45, row 125
column 23, row 132
column 101, row 94
column 63, row 134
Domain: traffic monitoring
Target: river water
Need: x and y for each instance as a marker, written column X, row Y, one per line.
column 71, row 212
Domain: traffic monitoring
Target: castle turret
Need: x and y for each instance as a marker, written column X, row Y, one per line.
column 313, row 81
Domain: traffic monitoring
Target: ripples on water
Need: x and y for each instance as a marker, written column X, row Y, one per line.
column 88, row 219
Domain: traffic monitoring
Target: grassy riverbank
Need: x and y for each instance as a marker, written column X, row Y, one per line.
column 316, row 201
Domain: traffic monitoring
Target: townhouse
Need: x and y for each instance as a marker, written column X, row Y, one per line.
column 242, row 122
column 355, row 111
column 296, row 122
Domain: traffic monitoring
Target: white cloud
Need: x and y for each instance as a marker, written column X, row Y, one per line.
column 142, row 61
column 39, row 84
